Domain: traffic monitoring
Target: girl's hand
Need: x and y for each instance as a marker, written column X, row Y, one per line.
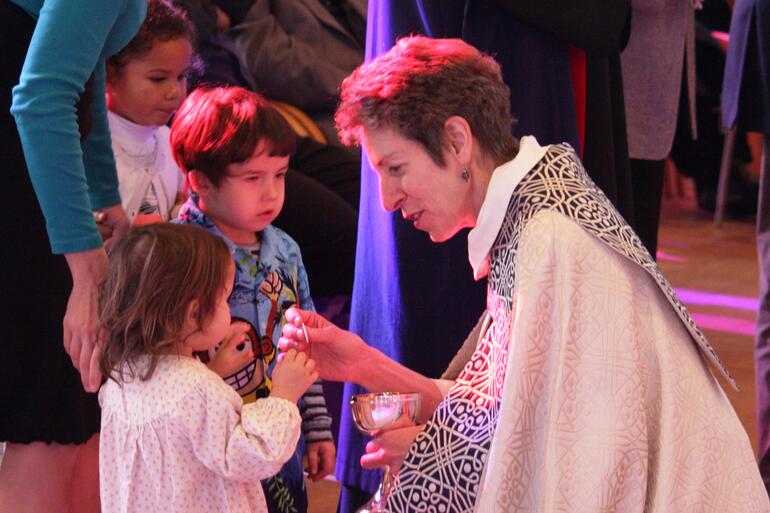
column 337, row 353
column 88, row 269
column 292, row 376
column 390, row 447
column 234, row 353
column 113, row 224
column 319, row 459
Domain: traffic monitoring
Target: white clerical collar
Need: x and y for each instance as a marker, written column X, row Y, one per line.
column 504, row 180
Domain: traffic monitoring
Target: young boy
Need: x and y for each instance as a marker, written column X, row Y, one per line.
column 234, row 149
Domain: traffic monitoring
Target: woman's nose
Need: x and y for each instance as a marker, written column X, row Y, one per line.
column 391, row 196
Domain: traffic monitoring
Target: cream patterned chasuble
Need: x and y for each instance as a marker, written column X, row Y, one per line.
column 590, row 391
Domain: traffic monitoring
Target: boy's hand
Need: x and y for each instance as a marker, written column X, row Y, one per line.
column 319, row 459
column 231, row 357
column 293, row 375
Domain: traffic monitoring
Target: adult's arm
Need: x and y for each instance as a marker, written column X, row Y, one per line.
column 69, row 180
column 343, row 356
column 391, row 446
column 593, row 25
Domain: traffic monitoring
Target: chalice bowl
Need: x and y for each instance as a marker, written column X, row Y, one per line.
column 377, row 412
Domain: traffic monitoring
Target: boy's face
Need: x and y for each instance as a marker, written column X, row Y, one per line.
column 149, row 89
column 248, row 198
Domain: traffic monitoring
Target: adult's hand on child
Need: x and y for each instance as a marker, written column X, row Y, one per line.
column 337, row 352
column 319, row 459
column 293, row 375
column 232, row 356
column 389, row 447
column 88, row 269
column 113, row 224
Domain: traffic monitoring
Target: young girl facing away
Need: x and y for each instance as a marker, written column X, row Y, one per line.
column 146, row 83
column 174, row 435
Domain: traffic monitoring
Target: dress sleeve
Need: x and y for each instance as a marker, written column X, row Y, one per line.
column 65, row 51
column 240, row 442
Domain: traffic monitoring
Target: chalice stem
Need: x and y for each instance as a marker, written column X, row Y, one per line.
column 379, row 501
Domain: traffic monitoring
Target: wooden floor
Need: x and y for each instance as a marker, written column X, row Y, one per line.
column 715, row 272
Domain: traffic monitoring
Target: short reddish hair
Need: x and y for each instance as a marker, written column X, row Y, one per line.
column 417, row 85
column 219, row 126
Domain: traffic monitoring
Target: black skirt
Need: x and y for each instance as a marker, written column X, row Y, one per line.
column 41, row 395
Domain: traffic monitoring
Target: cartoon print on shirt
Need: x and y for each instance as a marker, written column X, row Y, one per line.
column 253, row 381
column 245, row 380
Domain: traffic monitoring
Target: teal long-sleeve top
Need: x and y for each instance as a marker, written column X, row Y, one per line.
column 70, row 44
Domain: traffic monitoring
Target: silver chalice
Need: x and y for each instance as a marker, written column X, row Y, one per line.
column 376, row 412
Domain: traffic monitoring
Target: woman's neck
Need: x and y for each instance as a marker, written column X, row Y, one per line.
column 481, row 173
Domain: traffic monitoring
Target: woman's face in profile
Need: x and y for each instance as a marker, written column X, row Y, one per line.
column 434, row 199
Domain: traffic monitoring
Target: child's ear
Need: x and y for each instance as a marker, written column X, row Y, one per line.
column 199, row 182
column 191, row 315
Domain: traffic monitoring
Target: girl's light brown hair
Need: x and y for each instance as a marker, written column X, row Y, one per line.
column 156, row 271
column 417, row 85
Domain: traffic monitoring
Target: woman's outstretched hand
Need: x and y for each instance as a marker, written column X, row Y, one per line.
column 338, row 353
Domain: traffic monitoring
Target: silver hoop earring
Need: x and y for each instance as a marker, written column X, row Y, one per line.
column 465, row 174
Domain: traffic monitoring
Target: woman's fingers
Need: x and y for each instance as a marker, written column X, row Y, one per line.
column 390, row 447
column 297, row 317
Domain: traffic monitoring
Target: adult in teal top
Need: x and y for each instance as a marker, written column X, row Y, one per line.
column 71, row 180
column 59, row 179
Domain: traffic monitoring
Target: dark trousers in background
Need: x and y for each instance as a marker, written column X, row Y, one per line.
column 647, row 184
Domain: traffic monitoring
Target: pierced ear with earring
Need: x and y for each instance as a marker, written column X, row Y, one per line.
column 466, row 175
